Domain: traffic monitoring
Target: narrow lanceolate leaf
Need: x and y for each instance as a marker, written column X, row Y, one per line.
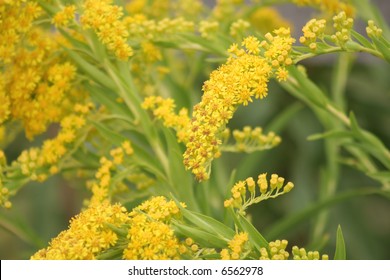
column 108, row 99
column 141, row 157
column 92, row 71
column 331, row 134
column 255, row 238
column 340, row 253
column 383, row 48
column 208, row 224
column 110, row 135
column 307, row 88
column 361, row 39
column 203, row 238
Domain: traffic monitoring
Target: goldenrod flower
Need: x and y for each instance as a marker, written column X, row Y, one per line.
column 106, row 20
column 158, row 208
column 208, row 28
column 275, row 251
column 101, row 188
column 63, row 17
column 343, row 26
column 238, row 28
column 329, row 6
column 313, row 30
column 150, row 236
column 163, row 109
column 16, row 21
column 243, row 77
column 88, row 234
column 236, row 247
column 268, row 189
column 278, row 49
column 150, row 240
column 248, row 140
column 302, row 254
column 373, row 30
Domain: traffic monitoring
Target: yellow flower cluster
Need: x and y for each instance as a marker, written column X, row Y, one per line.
column 150, row 235
column 278, row 50
column 236, row 248
column 36, row 86
column 16, row 20
column 301, row 254
column 208, row 28
column 5, row 104
column 268, row 189
column 313, row 30
column 249, row 140
column 329, row 6
column 225, row 8
column 36, row 163
column 106, row 20
column 64, row 17
column 140, row 27
column 343, row 26
column 238, row 28
column 151, row 240
column 163, row 109
column 158, row 208
column 88, row 235
column 243, row 76
column 276, row 251
column 150, row 52
column 101, row 188
column 373, row 30
column 152, row 8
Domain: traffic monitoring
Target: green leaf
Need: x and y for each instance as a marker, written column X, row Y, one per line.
column 385, row 50
column 85, row 158
column 204, row 238
column 50, row 9
column 76, row 43
column 361, row 39
column 92, row 70
column 178, row 177
column 21, row 230
column 382, row 176
column 141, row 157
column 192, row 41
column 370, row 142
column 340, row 253
column 331, row 134
column 207, row 223
column 307, row 88
column 177, row 173
column 110, row 135
column 257, row 240
column 107, row 98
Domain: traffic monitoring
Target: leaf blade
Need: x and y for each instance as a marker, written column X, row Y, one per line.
column 340, row 253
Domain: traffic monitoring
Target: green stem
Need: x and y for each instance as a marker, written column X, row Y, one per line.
column 331, row 175
column 340, row 79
